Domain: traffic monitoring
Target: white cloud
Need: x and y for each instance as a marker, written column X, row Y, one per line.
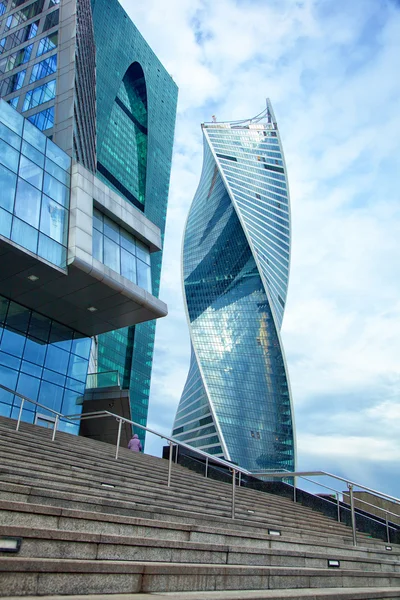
column 330, row 69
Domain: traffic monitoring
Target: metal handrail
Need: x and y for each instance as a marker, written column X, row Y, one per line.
column 233, row 468
column 280, row 475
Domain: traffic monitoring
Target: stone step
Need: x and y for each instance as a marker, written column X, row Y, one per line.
column 273, row 501
column 51, row 576
column 99, row 503
column 317, row 519
column 14, row 514
column 53, row 543
column 358, row 593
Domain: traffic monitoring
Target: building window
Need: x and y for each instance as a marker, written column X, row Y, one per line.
column 34, row 179
column 119, row 250
column 40, row 95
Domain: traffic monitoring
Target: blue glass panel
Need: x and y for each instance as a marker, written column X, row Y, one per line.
column 14, row 101
column 61, row 336
column 35, row 352
column 143, row 275
column 31, row 152
column 142, row 252
column 10, row 117
column 56, row 190
column 111, row 254
column 57, row 172
column 40, row 95
column 77, row 368
column 39, row 327
column 8, row 184
column 28, row 386
column 47, row 43
column 5, row 409
column 81, row 347
column 97, row 245
column 50, row 395
column 53, row 377
column 10, row 137
column 52, row 251
column 34, row 137
column 44, row 119
column 30, row 368
column 24, row 235
column 54, row 220
column 58, row 156
column 12, row 342
column 27, row 203
column 128, row 265
column 97, row 220
column 10, row 361
column 56, row 359
column 111, row 229
column 30, row 172
column 8, row 156
column 44, row 68
column 128, row 241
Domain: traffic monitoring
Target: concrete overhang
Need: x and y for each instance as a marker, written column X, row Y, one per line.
column 67, row 295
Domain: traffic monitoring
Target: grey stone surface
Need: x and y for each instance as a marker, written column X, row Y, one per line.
column 88, row 583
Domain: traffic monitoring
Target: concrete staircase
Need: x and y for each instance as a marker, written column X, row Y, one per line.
column 93, row 525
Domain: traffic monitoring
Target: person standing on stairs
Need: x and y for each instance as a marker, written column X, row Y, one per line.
column 134, row 444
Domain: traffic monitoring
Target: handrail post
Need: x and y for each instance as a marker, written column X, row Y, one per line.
column 338, row 506
column 387, row 528
column 20, row 414
column 353, row 514
column 118, row 437
column 233, row 492
column 240, row 479
column 176, row 453
column 53, row 437
column 206, row 471
column 170, row 463
column 294, row 490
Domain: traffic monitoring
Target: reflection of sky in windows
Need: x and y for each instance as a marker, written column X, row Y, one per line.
column 121, row 251
column 43, row 360
column 35, row 179
column 233, row 331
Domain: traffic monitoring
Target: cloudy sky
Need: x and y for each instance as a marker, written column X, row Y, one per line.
column 332, row 71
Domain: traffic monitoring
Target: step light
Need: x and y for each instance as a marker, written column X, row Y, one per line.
column 251, row 512
column 333, row 564
column 274, row 532
column 33, row 277
column 108, row 485
column 10, row 544
column 389, row 548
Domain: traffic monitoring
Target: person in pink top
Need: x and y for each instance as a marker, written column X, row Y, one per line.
column 134, row 444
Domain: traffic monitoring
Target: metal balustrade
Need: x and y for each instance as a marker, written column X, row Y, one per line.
column 236, row 471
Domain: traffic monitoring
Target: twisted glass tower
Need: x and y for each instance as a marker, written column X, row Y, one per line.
column 236, row 402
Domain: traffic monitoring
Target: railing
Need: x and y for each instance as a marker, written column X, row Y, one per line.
column 103, row 379
column 236, row 471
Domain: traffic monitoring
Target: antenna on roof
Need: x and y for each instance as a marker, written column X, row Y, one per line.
column 214, row 119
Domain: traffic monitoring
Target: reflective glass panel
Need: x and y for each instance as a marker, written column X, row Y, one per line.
column 27, row 203
column 8, row 184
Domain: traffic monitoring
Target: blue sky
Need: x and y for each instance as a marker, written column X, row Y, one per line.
column 331, row 69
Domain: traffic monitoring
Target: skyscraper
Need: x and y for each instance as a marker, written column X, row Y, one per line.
column 136, row 108
column 236, row 402
column 84, row 238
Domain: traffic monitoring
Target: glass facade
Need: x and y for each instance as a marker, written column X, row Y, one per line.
column 236, row 402
column 43, row 360
column 121, row 251
column 35, row 183
column 21, row 45
column 136, row 109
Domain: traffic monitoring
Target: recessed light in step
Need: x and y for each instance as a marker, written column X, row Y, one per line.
column 108, row 485
column 274, row 532
column 333, row 563
column 10, row 544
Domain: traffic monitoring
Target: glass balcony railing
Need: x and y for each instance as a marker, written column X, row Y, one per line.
column 103, row 380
